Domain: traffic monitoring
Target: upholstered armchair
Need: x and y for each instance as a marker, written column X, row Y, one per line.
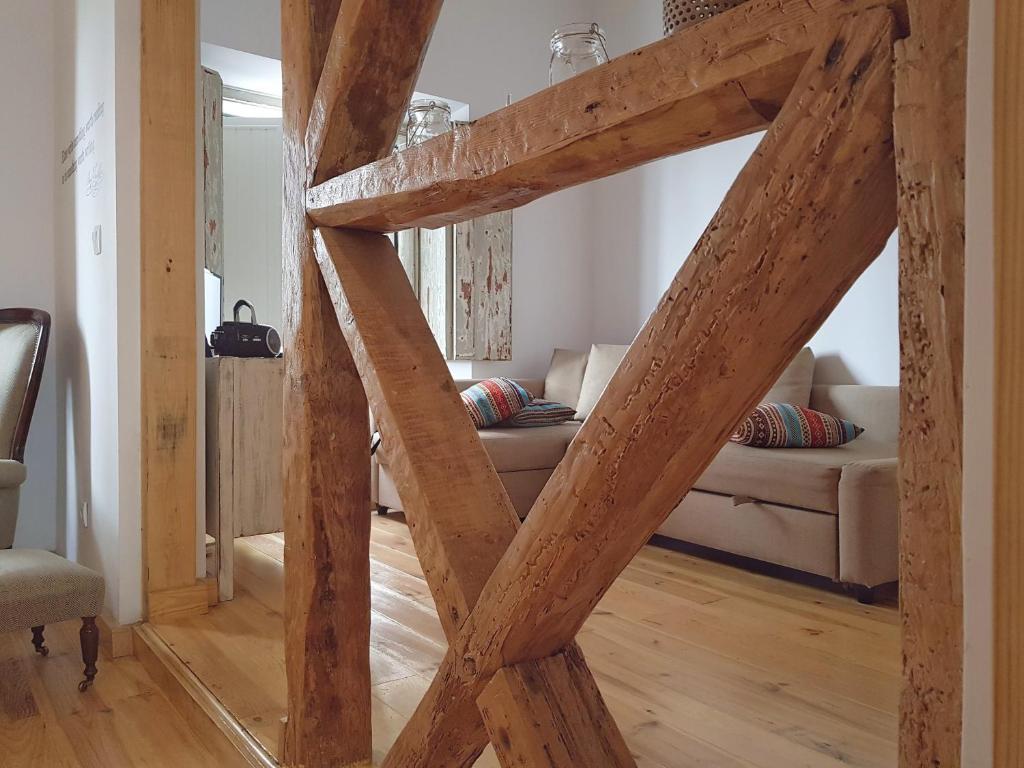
column 24, row 335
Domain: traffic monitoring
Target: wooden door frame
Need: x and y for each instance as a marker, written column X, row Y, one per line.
column 168, row 294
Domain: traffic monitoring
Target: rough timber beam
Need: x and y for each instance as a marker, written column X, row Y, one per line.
column 326, row 484
column 810, row 211
column 550, row 713
column 724, row 78
column 368, row 78
column 460, row 516
column 930, row 132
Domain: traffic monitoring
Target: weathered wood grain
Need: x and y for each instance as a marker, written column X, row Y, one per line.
column 724, row 78
column 1009, row 366
column 460, row 515
column 168, row 334
column 550, row 713
column 326, row 464
column 930, row 128
column 482, row 295
column 435, row 252
column 374, row 60
column 810, row 211
column 213, row 170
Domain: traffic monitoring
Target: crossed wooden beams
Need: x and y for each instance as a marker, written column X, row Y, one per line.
column 810, row 211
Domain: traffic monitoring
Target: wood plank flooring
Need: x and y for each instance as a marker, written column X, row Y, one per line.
column 123, row 721
column 701, row 664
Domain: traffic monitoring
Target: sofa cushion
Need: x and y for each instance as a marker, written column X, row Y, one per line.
column 541, row 413
column 794, row 385
column 781, row 425
column 516, row 450
column 601, row 365
column 39, row 588
column 565, row 377
column 808, row 478
column 494, row 400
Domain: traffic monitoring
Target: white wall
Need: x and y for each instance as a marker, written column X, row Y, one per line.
column 97, row 354
column 644, row 223
column 27, row 157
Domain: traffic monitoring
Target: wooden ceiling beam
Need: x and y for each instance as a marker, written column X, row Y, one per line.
column 811, row 210
column 723, row 78
column 369, row 74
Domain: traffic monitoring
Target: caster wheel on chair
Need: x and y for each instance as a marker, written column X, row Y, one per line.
column 382, row 510
column 84, row 685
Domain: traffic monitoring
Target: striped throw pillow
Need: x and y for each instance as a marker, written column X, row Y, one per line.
column 541, row 413
column 493, row 401
column 777, row 425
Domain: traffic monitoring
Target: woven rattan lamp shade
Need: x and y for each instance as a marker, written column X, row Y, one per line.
column 682, row 13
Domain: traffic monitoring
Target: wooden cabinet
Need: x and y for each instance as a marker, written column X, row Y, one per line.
column 243, row 455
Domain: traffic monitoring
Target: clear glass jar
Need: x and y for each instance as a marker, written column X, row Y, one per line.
column 575, row 48
column 427, row 119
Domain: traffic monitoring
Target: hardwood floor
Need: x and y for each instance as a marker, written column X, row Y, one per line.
column 123, row 721
column 701, row 664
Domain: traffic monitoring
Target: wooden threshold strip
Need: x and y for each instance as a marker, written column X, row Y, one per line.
column 724, row 78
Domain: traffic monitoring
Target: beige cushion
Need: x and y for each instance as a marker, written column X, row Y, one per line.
column 18, row 343
column 797, row 477
column 794, row 386
column 604, row 359
column 516, row 450
column 39, row 588
column 565, row 377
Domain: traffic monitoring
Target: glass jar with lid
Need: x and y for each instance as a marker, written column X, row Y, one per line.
column 575, row 48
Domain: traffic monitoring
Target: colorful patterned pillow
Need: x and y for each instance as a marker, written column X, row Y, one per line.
column 777, row 425
column 541, row 413
column 494, row 400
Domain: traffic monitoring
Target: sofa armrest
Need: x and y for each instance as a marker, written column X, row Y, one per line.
column 869, row 501
column 12, row 474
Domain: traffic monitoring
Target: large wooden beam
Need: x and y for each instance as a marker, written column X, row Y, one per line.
column 168, row 333
column 930, row 130
column 724, row 78
column 460, row 516
column 326, row 464
column 550, row 713
column 810, row 211
column 373, row 62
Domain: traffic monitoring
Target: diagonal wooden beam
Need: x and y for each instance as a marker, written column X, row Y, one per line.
column 724, row 78
column 460, row 516
column 371, row 68
column 810, row 211
column 326, row 482
column 550, row 712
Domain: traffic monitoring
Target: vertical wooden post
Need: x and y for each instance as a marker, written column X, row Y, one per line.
column 326, row 457
column 169, row 334
column 930, row 119
column 1009, row 400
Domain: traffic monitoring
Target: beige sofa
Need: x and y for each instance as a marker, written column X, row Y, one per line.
column 830, row 512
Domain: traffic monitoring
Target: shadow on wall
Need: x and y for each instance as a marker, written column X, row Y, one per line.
column 831, row 369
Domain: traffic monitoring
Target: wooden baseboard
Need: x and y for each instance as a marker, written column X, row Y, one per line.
column 220, row 731
column 117, row 639
column 178, row 602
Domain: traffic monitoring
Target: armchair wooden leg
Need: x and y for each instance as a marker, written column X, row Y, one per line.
column 38, row 641
column 90, row 637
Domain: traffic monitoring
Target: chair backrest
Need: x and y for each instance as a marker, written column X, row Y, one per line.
column 24, row 335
